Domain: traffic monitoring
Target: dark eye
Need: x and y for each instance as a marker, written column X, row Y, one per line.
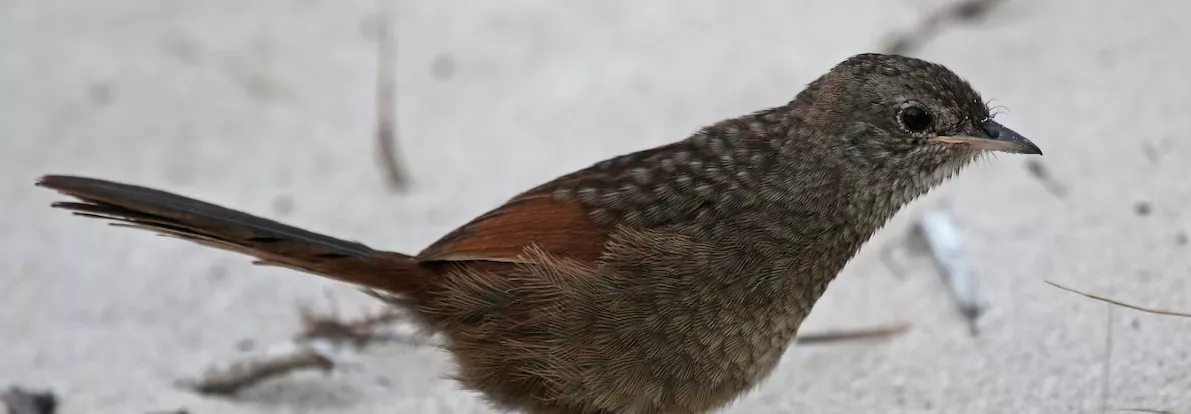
column 916, row 119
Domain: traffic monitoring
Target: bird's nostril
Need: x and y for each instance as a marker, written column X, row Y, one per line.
column 992, row 132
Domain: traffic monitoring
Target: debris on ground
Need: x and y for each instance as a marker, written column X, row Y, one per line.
column 1142, row 208
column 1038, row 170
column 1121, row 304
column 883, row 332
column 935, row 234
column 954, row 12
column 942, row 237
column 1107, row 363
column 319, row 346
column 17, row 400
column 386, row 96
column 248, row 372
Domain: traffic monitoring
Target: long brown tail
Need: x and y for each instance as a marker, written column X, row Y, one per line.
column 271, row 242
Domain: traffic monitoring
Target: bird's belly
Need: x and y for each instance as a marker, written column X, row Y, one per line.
column 627, row 352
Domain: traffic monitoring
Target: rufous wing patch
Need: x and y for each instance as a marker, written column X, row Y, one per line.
column 560, row 229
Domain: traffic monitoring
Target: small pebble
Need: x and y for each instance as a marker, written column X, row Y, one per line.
column 369, row 27
column 100, row 93
column 443, row 67
column 217, row 272
column 1142, row 208
column 283, row 205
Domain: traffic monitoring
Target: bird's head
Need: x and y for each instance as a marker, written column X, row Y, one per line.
column 903, row 121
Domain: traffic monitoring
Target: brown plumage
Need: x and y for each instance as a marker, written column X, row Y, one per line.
column 669, row 280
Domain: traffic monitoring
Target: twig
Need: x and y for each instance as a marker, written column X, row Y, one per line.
column 386, row 94
column 857, row 335
column 960, row 11
column 20, row 401
column 359, row 333
column 1039, row 171
column 318, row 346
column 250, row 372
column 1122, row 304
column 1108, row 343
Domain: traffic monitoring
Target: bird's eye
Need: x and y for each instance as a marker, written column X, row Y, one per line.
column 915, row 119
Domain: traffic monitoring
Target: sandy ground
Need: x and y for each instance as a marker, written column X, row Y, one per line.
column 267, row 106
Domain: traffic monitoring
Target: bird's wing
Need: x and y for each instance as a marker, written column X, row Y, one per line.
column 536, row 219
column 531, row 220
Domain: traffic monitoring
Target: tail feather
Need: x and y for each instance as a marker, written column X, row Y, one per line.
column 271, row 242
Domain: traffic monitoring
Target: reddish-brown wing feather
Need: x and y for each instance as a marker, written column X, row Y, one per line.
column 534, row 219
column 562, row 229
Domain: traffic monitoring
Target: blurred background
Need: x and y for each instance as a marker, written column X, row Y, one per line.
column 270, row 106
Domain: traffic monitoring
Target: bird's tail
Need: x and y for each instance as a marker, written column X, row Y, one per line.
column 272, row 243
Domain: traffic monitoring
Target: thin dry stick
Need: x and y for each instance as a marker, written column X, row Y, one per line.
column 386, row 94
column 1052, row 185
column 1122, row 304
column 962, row 10
column 246, row 373
column 857, row 335
column 359, row 333
column 317, row 344
column 1108, row 341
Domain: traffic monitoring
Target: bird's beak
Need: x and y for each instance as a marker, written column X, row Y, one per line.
column 996, row 137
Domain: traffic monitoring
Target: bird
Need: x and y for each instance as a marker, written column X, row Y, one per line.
column 667, row 280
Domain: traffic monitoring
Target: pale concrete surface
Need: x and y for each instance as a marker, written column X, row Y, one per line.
column 267, row 106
